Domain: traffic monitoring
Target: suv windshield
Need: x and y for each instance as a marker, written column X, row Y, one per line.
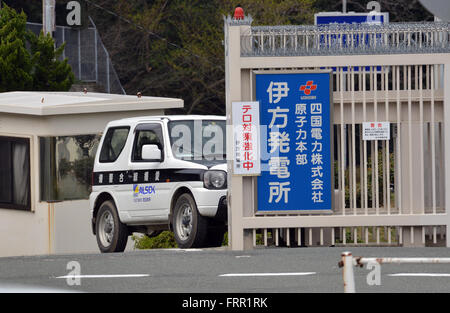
column 198, row 140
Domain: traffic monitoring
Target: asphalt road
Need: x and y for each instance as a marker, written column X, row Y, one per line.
column 273, row 270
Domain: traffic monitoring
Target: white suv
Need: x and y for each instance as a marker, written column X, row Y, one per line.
column 156, row 173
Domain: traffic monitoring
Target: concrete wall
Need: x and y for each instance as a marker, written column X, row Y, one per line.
column 24, row 233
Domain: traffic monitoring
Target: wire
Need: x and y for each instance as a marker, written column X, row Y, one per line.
column 152, row 33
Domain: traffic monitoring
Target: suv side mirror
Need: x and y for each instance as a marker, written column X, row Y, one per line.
column 151, row 153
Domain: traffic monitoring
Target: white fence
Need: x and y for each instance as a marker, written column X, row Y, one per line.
column 389, row 192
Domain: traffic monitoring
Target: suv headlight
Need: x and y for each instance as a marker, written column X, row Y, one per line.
column 215, row 179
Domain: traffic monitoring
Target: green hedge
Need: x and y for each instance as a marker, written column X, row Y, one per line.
column 163, row 241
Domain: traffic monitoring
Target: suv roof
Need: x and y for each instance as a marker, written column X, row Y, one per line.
column 132, row 120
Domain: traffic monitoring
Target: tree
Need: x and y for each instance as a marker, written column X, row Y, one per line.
column 15, row 59
column 33, row 9
column 36, row 68
column 174, row 48
column 49, row 72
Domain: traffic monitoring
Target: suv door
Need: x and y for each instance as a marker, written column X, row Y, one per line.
column 148, row 191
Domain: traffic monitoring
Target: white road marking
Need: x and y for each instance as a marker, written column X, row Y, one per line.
column 419, row 275
column 266, row 274
column 242, row 256
column 104, row 276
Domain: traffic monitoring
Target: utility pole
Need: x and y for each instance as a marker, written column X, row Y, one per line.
column 48, row 16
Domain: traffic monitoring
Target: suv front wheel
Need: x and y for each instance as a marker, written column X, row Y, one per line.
column 189, row 227
column 112, row 235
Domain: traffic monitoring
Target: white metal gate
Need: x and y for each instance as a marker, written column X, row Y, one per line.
column 386, row 192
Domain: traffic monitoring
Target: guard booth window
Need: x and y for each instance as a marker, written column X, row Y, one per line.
column 146, row 134
column 15, row 173
column 66, row 164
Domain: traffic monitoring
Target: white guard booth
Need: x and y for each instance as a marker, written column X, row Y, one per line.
column 48, row 142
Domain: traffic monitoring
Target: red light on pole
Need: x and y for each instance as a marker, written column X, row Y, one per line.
column 238, row 13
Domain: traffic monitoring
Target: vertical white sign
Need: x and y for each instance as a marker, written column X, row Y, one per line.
column 246, row 150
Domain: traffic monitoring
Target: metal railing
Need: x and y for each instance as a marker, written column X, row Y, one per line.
column 348, row 262
column 86, row 55
column 346, row 39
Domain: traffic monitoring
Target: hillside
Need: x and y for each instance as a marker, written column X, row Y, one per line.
column 174, row 48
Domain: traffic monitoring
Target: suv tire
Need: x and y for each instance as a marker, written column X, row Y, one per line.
column 189, row 227
column 112, row 235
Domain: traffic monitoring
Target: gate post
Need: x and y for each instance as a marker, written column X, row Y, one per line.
column 348, row 275
column 447, row 150
column 238, row 186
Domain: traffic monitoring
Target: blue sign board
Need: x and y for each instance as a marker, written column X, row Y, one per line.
column 327, row 18
column 296, row 129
